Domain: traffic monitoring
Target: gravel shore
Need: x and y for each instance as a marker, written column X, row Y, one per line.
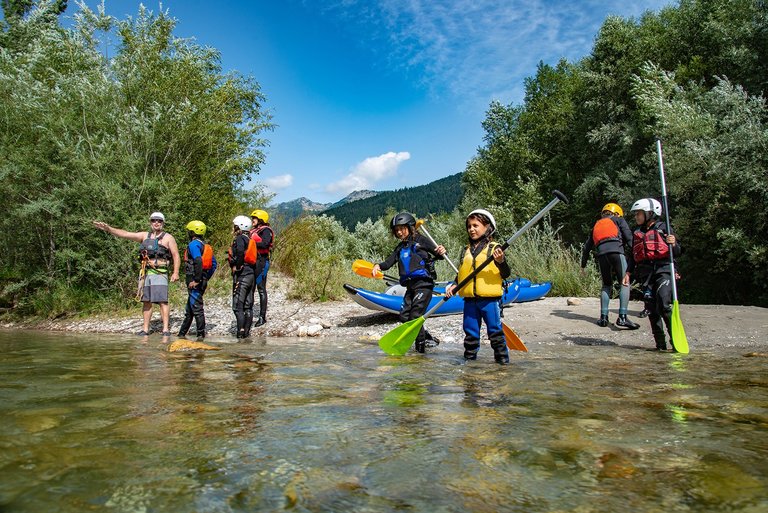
column 552, row 320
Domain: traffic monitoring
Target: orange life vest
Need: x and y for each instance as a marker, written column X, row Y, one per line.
column 251, row 253
column 605, row 229
column 207, row 256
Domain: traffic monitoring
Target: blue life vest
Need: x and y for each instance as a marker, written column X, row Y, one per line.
column 411, row 264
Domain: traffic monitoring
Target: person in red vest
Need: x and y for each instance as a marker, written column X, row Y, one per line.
column 652, row 243
column 264, row 232
column 609, row 237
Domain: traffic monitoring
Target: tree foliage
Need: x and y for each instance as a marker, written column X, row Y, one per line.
column 156, row 126
column 693, row 74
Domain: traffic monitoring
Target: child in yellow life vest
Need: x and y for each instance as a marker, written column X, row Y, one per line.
column 482, row 294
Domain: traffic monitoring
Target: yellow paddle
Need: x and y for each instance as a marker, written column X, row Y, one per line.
column 365, row 269
column 397, row 341
column 679, row 340
column 510, row 337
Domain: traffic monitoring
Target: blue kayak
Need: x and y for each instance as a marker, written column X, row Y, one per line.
column 517, row 291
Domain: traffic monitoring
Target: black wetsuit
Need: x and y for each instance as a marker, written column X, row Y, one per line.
column 193, row 271
column 417, row 275
column 262, row 267
column 612, row 262
column 243, row 279
column 655, row 280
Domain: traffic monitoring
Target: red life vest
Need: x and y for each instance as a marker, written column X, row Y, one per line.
column 268, row 249
column 649, row 246
column 605, row 229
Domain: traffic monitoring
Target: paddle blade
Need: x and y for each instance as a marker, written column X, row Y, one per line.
column 679, row 340
column 396, row 342
column 513, row 341
column 364, row 268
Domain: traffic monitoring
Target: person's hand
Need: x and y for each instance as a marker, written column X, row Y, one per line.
column 498, row 255
column 440, row 250
column 101, row 226
column 175, row 277
column 192, row 284
column 671, row 240
column 449, row 289
column 375, row 270
column 625, row 280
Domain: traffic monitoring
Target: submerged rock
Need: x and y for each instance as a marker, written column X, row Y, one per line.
column 190, row 345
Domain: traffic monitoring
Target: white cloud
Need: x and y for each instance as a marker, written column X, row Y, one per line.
column 370, row 171
column 275, row 183
column 481, row 49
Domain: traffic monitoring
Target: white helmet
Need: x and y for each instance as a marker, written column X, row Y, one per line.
column 486, row 214
column 242, row 222
column 647, row 205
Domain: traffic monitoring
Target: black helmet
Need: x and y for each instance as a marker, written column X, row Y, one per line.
column 403, row 218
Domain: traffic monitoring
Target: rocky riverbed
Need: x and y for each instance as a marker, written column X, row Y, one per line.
column 552, row 320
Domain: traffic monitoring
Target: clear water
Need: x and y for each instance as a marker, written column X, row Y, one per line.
column 108, row 423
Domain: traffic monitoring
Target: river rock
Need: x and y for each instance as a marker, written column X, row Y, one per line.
column 574, row 301
column 312, row 330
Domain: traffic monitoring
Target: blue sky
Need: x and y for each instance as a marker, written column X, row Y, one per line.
column 382, row 94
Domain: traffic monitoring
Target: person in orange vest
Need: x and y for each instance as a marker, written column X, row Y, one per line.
column 652, row 243
column 609, row 237
column 199, row 266
column 242, row 258
column 265, row 239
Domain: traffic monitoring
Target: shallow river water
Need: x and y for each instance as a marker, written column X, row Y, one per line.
column 108, row 423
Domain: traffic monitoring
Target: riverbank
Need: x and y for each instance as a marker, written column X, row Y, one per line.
column 552, row 320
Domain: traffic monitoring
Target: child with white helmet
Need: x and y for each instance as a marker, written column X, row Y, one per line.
column 650, row 266
column 242, row 258
column 482, row 294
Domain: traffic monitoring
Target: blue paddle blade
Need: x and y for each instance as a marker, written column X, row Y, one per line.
column 679, row 340
column 396, row 342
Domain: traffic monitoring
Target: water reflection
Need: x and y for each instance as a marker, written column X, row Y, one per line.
column 101, row 422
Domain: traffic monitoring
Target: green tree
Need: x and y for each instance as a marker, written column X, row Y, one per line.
column 158, row 126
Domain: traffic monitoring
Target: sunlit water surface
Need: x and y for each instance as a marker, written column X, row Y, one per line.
column 108, row 423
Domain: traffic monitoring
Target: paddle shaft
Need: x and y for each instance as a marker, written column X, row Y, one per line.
column 559, row 196
column 666, row 212
column 423, row 228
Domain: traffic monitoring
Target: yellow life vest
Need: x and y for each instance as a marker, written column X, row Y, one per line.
column 488, row 282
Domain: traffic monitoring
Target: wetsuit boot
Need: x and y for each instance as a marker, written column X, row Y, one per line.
column 430, row 340
column 200, row 324
column 661, row 342
column 626, row 323
column 248, row 321
column 603, row 321
column 186, row 323
column 500, row 352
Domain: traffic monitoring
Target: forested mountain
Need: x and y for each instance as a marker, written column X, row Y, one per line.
column 442, row 195
column 285, row 213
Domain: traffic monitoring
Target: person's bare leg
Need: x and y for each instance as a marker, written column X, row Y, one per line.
column 165, row 313
column 146, row 310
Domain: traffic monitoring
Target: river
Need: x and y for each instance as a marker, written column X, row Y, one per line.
column 111, row 423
